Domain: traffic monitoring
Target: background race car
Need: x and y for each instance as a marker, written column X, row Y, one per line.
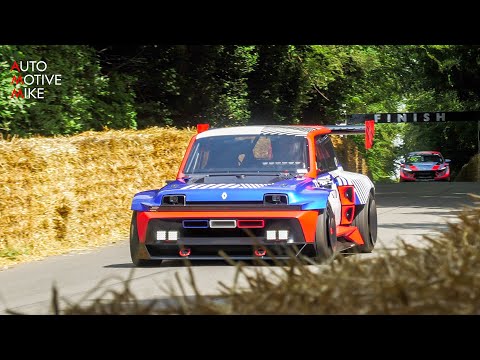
column 425, row 166
column 256, row 192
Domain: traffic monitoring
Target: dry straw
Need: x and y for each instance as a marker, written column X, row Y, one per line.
column 65, row 193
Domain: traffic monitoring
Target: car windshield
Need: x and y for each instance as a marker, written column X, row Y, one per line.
column 248, row 154
column 418, row 158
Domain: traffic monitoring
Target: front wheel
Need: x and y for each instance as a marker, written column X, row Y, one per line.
column 366, row 222
column 135, row 246
column 326, row 235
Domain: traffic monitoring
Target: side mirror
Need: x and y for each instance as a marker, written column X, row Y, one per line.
column 447, row 160
column 340, row 167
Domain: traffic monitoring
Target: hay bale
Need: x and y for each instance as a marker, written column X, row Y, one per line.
column 349, row 155
column 63, row 193
column 470, row 171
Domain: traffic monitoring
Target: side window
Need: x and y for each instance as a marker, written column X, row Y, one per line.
column 325, row 154
column 201, row 158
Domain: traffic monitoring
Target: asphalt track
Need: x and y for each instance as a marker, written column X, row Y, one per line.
column 405, row 211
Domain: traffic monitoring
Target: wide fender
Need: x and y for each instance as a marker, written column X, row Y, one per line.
column 314, row 199
column 142, row 199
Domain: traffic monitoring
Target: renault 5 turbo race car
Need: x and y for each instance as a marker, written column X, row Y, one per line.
column 256, row 192
column 425, row 166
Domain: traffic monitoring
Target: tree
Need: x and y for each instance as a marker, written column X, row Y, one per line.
column 444, row 78
column 84, row 100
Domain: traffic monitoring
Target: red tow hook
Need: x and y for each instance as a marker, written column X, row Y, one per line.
column 184, row 252
column 260, row 252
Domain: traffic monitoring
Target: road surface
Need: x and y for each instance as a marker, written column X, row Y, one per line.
column 406, row 210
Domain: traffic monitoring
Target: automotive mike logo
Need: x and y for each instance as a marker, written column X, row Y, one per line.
column 30, row 78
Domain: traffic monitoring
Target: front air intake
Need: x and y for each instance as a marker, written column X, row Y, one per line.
column 195, row 224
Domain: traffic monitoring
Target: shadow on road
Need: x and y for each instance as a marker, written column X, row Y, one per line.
column 416, row 226
column 172, row 263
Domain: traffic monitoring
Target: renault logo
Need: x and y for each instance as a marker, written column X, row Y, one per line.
column 224, row 195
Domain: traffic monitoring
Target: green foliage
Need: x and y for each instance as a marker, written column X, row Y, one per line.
column 185, row 84
column 85, row 100
column 9, row 107
column 225, row 85
column 443, row 78
column 278, row 87
column 386, row 149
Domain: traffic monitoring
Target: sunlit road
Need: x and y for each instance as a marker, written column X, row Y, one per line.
column 407, row 211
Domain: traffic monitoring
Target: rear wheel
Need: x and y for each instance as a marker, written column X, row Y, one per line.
column 366, row 222
column 135, row 246
column 326, row 235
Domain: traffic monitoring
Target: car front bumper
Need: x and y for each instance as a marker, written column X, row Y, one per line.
column 428, row 175
column 205, row 243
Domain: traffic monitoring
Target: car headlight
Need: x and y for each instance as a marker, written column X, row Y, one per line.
column 173, row 200
column 407, row 170
column 444, row 168
column 275, row 199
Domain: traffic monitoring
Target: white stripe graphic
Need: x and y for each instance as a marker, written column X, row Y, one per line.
column 208, row 186
column 222, row 186
column 218, row 186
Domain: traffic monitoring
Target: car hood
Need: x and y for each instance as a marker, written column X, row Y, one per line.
column 424, row 166
column 300, row 191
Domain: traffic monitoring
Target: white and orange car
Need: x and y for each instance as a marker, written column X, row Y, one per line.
column 256, row 192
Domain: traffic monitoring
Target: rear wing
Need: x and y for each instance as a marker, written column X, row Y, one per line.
column 346, row 129
column 368, row 130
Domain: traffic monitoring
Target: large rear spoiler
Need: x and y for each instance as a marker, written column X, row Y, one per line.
column 368, row 130
column 346, row 129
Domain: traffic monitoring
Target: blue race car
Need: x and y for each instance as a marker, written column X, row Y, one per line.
column 256, row 192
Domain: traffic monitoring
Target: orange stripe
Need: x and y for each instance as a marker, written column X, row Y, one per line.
column 350, row 233
column 142, row 222
column 311, row 150
column 180, row 173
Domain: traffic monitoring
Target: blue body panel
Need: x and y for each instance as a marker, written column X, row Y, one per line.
column 300, row 191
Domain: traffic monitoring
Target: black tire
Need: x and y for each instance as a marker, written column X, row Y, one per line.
column 325, row 235
column 134, row 246
column 366, row 222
